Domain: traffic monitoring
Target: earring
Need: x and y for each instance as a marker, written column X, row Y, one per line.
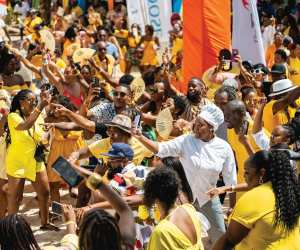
column 260, row 181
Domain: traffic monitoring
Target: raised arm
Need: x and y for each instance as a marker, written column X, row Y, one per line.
column 29, row 122
column 104, row 74
column 27, row 63
column 56, row 81
column 78, row 119
column 151, row 145
column 126, row 222
column 258, row 120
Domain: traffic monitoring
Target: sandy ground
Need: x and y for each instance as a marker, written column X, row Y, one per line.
column 29, row 209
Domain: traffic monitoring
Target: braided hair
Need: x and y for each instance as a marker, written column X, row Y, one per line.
column 285, row 185
column 99, row 230
column 16, row 234
column 16, row 107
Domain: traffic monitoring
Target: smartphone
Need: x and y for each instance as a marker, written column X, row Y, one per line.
column 63, row 168
column 235, row 52
column 57, row 208
column 95, row 83
column 137, row 121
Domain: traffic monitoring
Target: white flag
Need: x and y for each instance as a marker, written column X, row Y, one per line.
column 246, row 36
column 154, row 12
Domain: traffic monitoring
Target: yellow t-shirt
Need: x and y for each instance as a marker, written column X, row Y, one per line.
column 20, row 162
column 259, row 219
column 102, row 146
column 294, row 64
column 271, row 121
column 167, row 236
column 241, row 154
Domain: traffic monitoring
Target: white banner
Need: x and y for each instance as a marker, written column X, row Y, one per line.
column 154, row 12
column 246, row 36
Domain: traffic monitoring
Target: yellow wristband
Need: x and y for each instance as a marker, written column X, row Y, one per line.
column 70, row 222
column 94, row 181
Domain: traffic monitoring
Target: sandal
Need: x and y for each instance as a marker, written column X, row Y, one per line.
column 49, row 227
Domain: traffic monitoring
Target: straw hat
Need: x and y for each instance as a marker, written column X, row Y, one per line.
column 122, row 122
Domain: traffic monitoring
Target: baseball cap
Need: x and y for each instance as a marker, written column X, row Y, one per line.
column 120, row 150
column 278, row 69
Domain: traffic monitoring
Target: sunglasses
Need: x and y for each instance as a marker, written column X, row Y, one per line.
column 152, row 90
column 121, row 94
column 102, row 49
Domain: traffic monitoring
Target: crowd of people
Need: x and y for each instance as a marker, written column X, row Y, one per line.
column 154, row 167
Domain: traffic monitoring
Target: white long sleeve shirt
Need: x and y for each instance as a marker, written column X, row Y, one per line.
column 202, row 162
column 262, row 140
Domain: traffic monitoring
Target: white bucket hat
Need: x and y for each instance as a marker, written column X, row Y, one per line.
column 281, row 87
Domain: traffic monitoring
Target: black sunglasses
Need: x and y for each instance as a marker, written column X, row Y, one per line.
column 121, row 94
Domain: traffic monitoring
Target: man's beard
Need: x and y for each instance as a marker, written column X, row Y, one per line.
column 111, row 172
column 193, row 97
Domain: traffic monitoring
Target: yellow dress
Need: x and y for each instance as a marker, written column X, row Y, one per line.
column 62, row 146
column 259, row 220
column 177, row 47
column 167, row 236
column 150, row 55
column 294, row 64
column 102, row 146
column 20, row 162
